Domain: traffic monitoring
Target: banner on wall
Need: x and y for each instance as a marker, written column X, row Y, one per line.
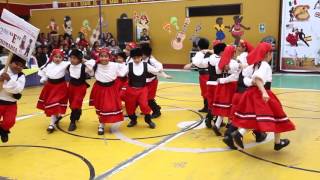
column 17, row 35
column 300, row 36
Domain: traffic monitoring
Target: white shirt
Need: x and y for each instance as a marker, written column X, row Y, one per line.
column 264, row 72
column 14, row 86
column 234, row 72
column 243, row 58
column 154, row 63
column 75, row 70
column 110, row 72
column 199, row 60
column 138, row 69
column 53, row 71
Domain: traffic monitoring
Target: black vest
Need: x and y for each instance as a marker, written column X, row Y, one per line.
column 138, row 81
column 204, row 71
column 81, row 80
column 212, row 72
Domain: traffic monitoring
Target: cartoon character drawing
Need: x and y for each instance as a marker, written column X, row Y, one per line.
column 67, row 26
column 237, row 29
column 220, row 27
column 301, row 12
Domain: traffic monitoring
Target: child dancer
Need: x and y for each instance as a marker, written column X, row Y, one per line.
column 243, row 49
column 13, row 84
column 203, row 44
column 211, row 63
column 152, row 80
column 54, row 97
column 259, row 108
column 77, row 87
column 105, row 95
column 229, row 70
column 137, row 89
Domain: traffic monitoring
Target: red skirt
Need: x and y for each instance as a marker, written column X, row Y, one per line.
column 222, row 101
column 107, row 102
column 235, row 102
column 211, row 89
column 137, row 97
column 152, row 89
column 121, row 82
column 76, row 95
column 203, row 78
column 253, row 113
column 53, row 98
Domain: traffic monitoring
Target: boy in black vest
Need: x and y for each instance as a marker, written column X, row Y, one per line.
column 13, row 84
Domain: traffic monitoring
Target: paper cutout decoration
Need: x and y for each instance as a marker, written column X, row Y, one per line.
column 142, row 22
column 85, row 27
column 237, row 29
column 177, row 43
column 53, row 27
column 174, row 22
column 167, row 27
column 67, row 26
column 220, row 28
column 198, row 28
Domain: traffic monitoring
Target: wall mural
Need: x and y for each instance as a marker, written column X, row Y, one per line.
column 300, row 37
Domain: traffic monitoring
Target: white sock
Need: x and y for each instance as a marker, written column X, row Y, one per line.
column 53, row 120
column 242, row 131
column 219, row 121
column 101, row 125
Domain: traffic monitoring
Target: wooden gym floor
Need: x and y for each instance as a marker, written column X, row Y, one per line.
column 179, row 148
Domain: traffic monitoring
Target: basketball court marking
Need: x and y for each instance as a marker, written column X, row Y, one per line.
column 83, row 159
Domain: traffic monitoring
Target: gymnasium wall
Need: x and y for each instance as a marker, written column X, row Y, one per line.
column 254, row 12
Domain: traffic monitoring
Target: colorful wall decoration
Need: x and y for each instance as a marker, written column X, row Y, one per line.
column 300, row 36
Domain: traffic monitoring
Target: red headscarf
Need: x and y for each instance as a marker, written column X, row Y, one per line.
column 226, row 57
column 215, row 42
column 259, row 53
column 247, row 45
column 55, row 52
column 132, row 45
column 103, row 50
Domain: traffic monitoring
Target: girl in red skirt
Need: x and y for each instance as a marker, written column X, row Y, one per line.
column 13, row 84
column 259, row 108
column 77, row 87
column 243, row 49
column 137, row 91
column 54, row 97
column 212, row 64
column 228, row 70
column 105, row 95
column 152, row 80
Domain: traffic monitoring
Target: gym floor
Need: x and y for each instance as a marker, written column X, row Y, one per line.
column 179, row 148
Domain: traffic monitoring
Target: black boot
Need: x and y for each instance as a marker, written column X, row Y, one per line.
column 147, row 119
column 133, row 120
column 155, row 109
column 75, row 115
column 283, row 143
column 205, row 107
column 51, row 129
column 230, row 130
column 208, row 120
column 237, row 137
column 229, row 142
column 4, row 135
column 58, row 119
column 260, row 136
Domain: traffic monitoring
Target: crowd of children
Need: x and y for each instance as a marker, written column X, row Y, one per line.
column 235, row 83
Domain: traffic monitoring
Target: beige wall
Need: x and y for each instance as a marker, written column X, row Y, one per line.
column 254, row 12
